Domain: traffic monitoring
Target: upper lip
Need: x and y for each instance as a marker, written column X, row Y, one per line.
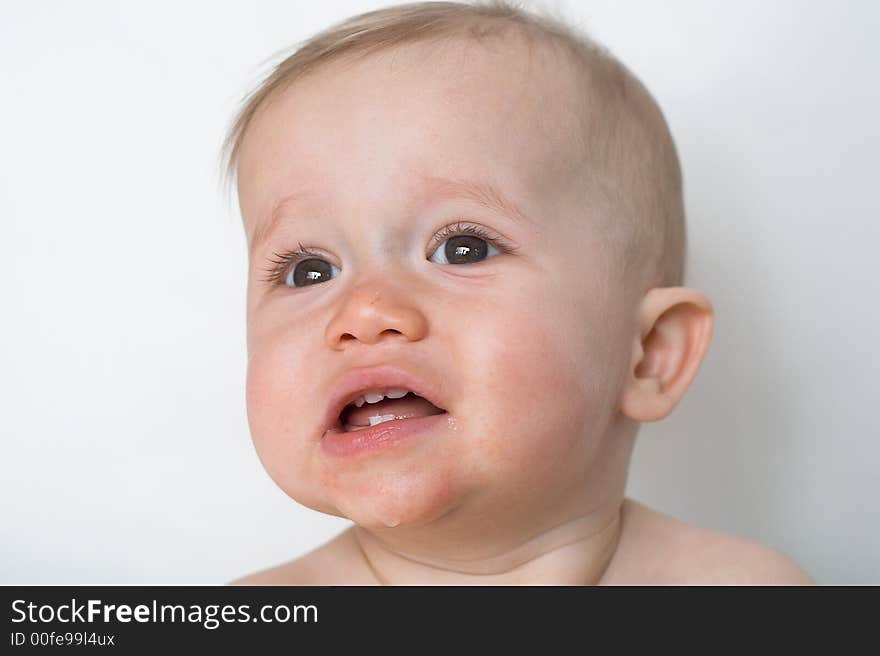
column 355, row 382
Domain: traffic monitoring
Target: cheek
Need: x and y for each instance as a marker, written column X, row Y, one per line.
column 277, row 401
column 542, row 391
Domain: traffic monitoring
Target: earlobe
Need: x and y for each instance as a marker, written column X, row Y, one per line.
column 675, row 328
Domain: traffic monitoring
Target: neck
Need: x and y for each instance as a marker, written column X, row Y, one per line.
column 576, row 552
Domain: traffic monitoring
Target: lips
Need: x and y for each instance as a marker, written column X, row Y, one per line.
column 355, row 382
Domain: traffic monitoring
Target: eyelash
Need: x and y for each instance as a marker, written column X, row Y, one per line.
column 283, row 261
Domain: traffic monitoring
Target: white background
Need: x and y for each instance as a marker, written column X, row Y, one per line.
column 126, row 454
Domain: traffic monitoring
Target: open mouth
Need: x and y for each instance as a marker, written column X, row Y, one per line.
column 378, row 406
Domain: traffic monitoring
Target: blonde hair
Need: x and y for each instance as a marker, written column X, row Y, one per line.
column 633, row 165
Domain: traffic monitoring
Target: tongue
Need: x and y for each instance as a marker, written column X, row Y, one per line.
column 409, row 406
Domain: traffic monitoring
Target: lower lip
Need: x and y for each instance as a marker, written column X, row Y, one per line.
column 340, row 443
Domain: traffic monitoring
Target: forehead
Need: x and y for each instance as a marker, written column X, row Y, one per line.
column 364, row 131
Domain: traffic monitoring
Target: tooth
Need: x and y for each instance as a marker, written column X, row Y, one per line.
column 396, row 393
column 373, row 398
column 359, row 401
column 378, row 419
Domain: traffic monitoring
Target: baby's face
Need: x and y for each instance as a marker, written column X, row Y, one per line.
column 526, row 338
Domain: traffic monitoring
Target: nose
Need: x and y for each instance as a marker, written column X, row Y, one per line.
column 374, row 311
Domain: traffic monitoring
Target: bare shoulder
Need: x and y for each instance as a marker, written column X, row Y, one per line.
column 657, row 549
column 333, row 563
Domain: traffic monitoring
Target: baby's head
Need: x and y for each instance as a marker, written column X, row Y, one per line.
column 478, row 205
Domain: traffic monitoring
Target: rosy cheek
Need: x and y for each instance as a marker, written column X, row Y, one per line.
column 272, row 408
column 537, row 403
column 262, row 418
column 277, row 377
column 262, row 388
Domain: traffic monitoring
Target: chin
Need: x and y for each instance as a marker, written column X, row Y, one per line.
column 387, row 499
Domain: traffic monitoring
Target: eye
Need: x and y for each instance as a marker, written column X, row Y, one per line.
column 457, row 244
column 466, row 244
column 309, row 272
column 299, row 268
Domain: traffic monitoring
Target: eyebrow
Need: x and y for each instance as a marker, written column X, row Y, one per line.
column 481, row 192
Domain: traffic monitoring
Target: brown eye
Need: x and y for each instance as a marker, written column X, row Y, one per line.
column 465, row 244
column 309, row 272
column 465, row 249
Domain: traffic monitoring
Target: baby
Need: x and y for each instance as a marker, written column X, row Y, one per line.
column 466, row 243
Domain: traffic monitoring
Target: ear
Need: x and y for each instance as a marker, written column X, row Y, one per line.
column 675, row 328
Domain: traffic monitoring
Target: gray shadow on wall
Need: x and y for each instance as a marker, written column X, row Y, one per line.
column 723, row 459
